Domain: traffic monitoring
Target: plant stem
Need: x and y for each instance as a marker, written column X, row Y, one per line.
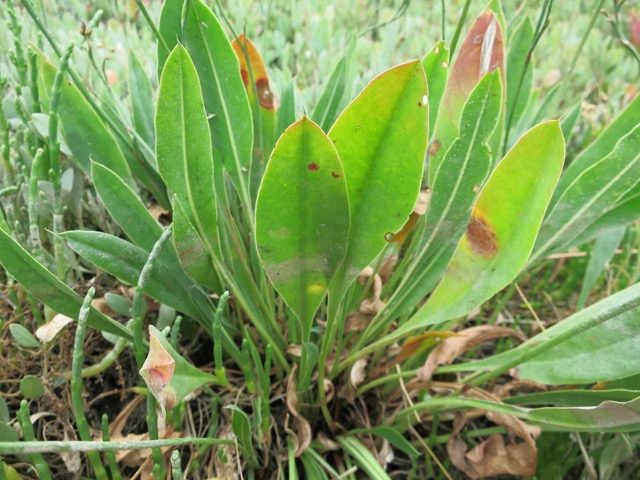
column 76, row 385
column 30, row 447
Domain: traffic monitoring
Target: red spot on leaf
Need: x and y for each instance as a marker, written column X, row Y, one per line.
column 434, row 148
column 245, row 76
column 335, row 175
column 265, row 95
column 313, row 167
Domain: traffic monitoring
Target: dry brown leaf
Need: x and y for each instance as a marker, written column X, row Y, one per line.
column 507, row 389
column 303, row 427
column 327, row 443
column 157, row 371
column 157, row 211
column 447, row 351
column 49, row 330
column 493, row 457
column 294, row 350
column 356, row 377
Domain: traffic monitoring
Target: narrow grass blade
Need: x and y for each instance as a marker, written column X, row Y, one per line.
column 142, row 101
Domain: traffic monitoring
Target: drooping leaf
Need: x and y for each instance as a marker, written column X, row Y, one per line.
column 225, row 98
column 604, row 352
column 44, row 286
column 436, row 69
column 463, row 171
column 482, row 51
column 183, row 144
column 394, row 437
column 502, row 229
column 125, row 261
column 86, row 135
column 573, row 398
column 302, row 218
column 142, row 102
column 381, row 139
column 593, row 193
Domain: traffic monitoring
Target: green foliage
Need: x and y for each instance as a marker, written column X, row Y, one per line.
column 267, row 238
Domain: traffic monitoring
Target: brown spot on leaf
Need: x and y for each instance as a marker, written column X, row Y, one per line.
column 265, row 95
column 335, row 175
column 481, row 236
column 313, row 167
column 419, row 104
column 245, row 76
column 434, row 148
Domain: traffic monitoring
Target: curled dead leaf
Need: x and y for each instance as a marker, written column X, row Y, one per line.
column 493, row 456
column 302, row 425
column 451, row 348
column 356, row 377
column 508, row 389
column 49, row 330
column 157, row 371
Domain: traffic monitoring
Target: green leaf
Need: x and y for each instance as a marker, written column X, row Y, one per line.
column 4, row 411
column 125, row 207
column 31, row 387
column 224, row 95
column 363, row 457
column 573, row 398
column 186, row 377
column 604, row 352
column 482, row 51
column 436, row 69
column 23, row 337
column 125, row 261
column 464, row 168
column 308, row 361
column 170, row 28
column 519, row 45
column 7, row 434
column 602, row 251
column 192, row 252
column 85, row 134
column 241, row 426
column 142, row 102
column 381, row 139
column 335, row 90
column 184, row 144
column 394, row 437
column 502, row 229
column 593, row 193
column 302, row 218
column 600, row 148
column 286, row 114
column 44, row 286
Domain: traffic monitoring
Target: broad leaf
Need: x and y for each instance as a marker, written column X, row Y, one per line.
column 464, row 169
column 302, row 218
column 604, row 352
column 482, row 51
column 381, row 139
column 44, row 286
column 225, row 99
column 502, row 229
column 183, row 144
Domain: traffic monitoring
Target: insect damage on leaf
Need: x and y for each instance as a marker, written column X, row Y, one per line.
column 482, row 239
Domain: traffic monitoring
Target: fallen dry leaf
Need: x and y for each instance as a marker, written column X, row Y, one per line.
column 303, row 427
column 493, row 456
column 157, row 371
column 451, row 348
column 508, row 389
column 356, row 377
column 49, row 330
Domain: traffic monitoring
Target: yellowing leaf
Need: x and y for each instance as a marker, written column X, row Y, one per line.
column 158, row 369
